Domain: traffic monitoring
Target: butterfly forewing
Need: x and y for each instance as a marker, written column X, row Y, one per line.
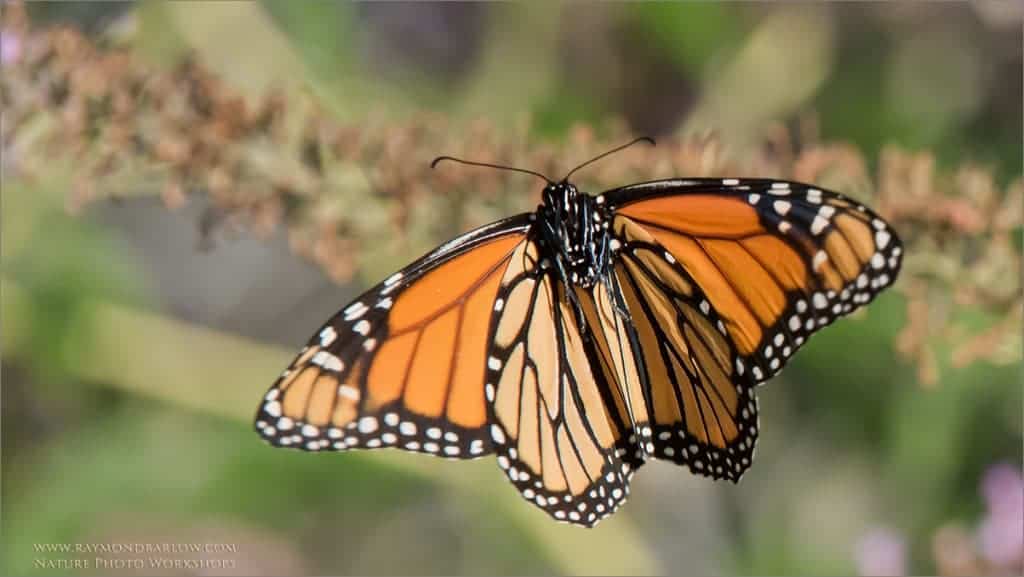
column 776, row 260
column 403, row 366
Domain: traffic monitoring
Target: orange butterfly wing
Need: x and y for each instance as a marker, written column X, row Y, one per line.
column 559, row 427
column 724, row 281
column 403, row 365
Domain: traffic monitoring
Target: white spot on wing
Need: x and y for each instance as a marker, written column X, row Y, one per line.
column 819, row 259
column 497, row 434
column 334, row 363
column 818, row 224
column 354, row 311
column 327, row 336
column 327, row 361
column 819, row 300
column 794, row 323
column 273, row 408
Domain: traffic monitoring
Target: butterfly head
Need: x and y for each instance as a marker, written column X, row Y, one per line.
column 560, row 196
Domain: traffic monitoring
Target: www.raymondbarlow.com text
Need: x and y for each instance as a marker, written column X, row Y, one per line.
column 135, row 548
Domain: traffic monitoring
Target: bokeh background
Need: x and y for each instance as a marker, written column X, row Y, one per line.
column 190, row 189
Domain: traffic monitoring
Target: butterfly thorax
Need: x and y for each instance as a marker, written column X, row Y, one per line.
column 575, row 233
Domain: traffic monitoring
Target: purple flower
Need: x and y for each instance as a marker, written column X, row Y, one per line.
column 1001, row 534
column 10, row 47
column 882, row 552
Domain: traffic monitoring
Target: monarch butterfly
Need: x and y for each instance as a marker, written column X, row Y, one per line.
column 578, row 341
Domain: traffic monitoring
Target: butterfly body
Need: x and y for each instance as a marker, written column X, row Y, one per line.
column 573, row 231
column 577, row 342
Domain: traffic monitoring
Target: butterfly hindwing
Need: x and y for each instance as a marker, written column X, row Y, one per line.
column 557, row 438
column 700, row 413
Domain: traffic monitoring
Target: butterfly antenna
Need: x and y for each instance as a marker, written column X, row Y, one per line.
column 497, row 166
column 646, row 139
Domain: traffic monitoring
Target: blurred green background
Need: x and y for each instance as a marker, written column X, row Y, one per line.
column 136, row 348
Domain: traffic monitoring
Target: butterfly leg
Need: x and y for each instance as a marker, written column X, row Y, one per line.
column 573, row 298
column 618, row 301
column 608, row 279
